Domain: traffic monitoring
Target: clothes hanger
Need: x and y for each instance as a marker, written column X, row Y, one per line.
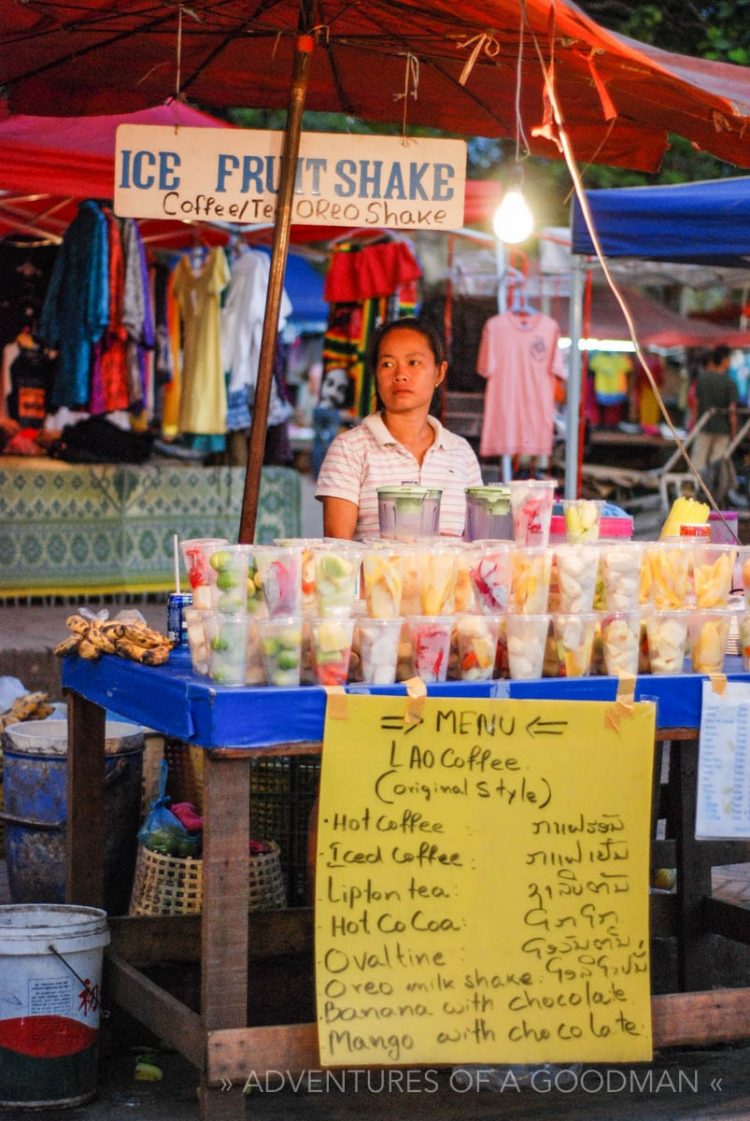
column 520, row 304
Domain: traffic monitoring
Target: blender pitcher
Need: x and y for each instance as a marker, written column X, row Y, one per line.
column 408, row 511
column 488, row 514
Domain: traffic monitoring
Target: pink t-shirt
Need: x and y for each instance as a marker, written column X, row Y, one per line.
column 519, row 357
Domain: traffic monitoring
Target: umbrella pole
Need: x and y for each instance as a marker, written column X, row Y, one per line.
column 279, row 251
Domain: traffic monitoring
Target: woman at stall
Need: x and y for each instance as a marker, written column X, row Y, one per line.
column 401, row 442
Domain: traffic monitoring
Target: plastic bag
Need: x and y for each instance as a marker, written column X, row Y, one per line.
column 162, row 831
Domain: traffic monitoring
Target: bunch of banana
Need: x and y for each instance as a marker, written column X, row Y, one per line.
column 91, row 638
column 29, row 706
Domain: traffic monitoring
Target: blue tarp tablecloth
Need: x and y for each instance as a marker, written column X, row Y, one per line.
column 174, row 700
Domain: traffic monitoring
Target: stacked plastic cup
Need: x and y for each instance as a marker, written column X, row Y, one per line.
column 577, row 568
column 382, row 575
column 378, row 640
column 464, row 601
column 336, row 578
column 713, row 569
column 281, row 646
column 621, row 633
column 230, row 563
column 527, row 640
column 437, row 580
column 582, row 519
column 620, row 567
column 196, row 553
column 531, row 503
column 708, row 633
column 332, row 647
column 476, row 637
column 667, row 633
column 228, row 645
column 430, row 640
column 280, row 571
column 490, row 572
column 666, row 572
column 574, row 641
column 531, row 569
column 198, row 643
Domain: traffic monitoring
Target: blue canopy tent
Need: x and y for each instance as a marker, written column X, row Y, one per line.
column 707, row 222
column 699, row 223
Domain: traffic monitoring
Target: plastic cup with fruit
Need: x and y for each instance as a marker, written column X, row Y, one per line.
column 198, row 643
column 228, row 645
column 531, row 569
column 582, row 518
column 621, row 633
column 332, row 645
column 280, row 571
column 707, row 634
column 437, row 580
column 620, row 567
column 527, row 640
column 476, row 637
column 667, row 633
column 430, row 641
column 745, row 641
column 230, row 563
column 577, row 569
column 713, row 571
column 669, row 565
column 336, row 578
column 196, row 553
column 378, row 646
column 382, row 574
column 531, row 502
column 490, row 572
column 281, row 646
column 574, row 642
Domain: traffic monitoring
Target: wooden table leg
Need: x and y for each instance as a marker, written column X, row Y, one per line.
column 224, row 924
column 84, row 845
column 693, row 870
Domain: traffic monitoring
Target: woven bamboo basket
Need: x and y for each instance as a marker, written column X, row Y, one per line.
column 185, row 782
column 173, row 885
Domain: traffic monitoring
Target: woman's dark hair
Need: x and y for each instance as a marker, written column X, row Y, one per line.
column 424, row 327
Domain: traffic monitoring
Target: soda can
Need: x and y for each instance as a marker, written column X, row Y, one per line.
column 701, row 530
column 176, row 622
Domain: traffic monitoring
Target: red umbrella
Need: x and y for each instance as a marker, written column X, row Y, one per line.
column 620, row 98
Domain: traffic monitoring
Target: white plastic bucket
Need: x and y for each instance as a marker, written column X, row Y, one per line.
column 50, row 984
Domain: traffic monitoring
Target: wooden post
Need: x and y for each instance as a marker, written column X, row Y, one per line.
column 224, row 922
column 84, row 843
column 279, row 251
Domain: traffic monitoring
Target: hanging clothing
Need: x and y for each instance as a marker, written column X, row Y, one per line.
column 76, row 306
column 241, row 334
column 31, row 373
column 109, row 386
column 610, row 377
column 203, row 401
column 519, row 357
column 362, row 272
column 137, row 314
column 366, row 285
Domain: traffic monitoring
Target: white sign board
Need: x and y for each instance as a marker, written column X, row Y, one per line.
column 723, row 809
column 232, row 175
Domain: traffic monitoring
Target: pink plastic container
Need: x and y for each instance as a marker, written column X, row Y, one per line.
column 609, row 529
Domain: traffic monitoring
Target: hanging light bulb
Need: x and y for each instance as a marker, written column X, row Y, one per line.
column 513, row 221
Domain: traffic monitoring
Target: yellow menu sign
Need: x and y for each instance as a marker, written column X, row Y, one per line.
column 482, row 882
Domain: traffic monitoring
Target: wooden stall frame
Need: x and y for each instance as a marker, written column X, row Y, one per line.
column 228, row 941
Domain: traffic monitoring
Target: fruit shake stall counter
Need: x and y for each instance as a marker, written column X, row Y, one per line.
column 237, row 725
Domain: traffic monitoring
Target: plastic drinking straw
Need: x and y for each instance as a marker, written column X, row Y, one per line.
column 176, row 557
